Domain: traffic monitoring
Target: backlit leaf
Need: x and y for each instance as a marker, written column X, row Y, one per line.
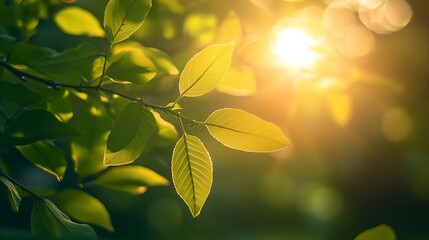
column 78, row 21
column 241, row 130
column 84, row 208
column 14, row 197
column 123, row 17
column 131, row 179
column 129, row 135
column 151, row 58
column 46, row 156
column 230, row 29
column 192, row 172
column 238, row 82
column 34, row 125
column 381, row 232
column 47, row 219
column 205, row 70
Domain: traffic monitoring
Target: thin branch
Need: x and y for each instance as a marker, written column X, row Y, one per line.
column 53, row 84
column 104, row 65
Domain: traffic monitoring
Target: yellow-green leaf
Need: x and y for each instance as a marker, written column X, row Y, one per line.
column 84, row 208
column 131, row 179
column 129, row 135
column 192, row 172
column 381, row 232
column 241, row 130
column 123, row 17
column 127, row 67
column 205, row 70
column 238, row 82
column 78, row 21
column 230, row 29
column 153, row 59
column 14, row 197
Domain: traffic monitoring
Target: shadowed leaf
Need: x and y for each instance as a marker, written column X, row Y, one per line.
column 47, row 219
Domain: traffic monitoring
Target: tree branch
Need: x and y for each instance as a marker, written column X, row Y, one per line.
column 50, row 83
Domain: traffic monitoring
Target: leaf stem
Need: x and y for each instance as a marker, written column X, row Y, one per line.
column 33, row 194
column 106, row 57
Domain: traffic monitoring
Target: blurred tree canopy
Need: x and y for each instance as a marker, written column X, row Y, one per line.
column 108, row 110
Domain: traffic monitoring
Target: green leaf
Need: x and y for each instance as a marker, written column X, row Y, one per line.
column 14, row 197
column 241, row 130
column 381, row 232
column 151, row 60
column 129, row 135
column 46, row 156
column 192, row 172
column 6, row 43
column 90, row 116
column 78, row 21
column 162, row 63
column 123, row 17
column 70, row 66
column 131, row 179
column 126, row 67
column 238, row 82
column 84, row 208
column 61, row 106
column 34, row 125
column 18, row 93
column 47, row 219
column 15, row 96
column 205, row 70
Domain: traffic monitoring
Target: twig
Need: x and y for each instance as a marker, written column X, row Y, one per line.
column 50, row 83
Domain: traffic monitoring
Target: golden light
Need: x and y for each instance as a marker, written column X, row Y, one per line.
column 295, row 47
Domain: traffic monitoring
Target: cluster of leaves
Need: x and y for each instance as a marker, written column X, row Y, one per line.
column 64, row 113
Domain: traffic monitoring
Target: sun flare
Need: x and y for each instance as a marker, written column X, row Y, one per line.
column 295, row 48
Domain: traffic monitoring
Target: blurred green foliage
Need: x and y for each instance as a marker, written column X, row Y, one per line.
column 344, row 174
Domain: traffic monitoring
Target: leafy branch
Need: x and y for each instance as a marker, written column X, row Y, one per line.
column 97, row 141
column 53, row 84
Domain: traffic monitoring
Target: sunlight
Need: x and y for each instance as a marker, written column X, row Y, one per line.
column 295, row 48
